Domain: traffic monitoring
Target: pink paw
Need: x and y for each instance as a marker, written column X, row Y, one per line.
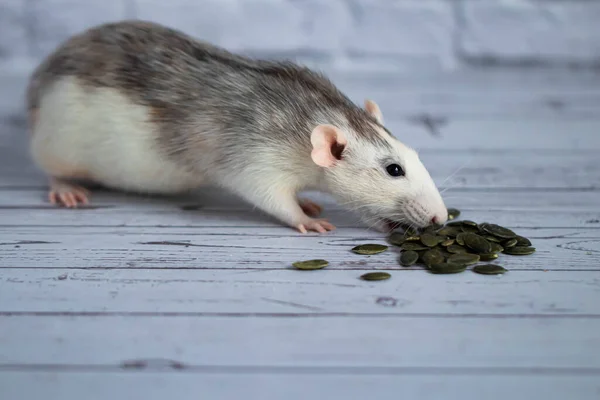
column 311, row 209
column 317, row 225
column 67, row 194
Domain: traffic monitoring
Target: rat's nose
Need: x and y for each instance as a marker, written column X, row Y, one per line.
column 439, row 220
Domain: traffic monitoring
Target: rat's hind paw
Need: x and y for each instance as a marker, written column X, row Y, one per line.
column 67, row 194
column 317, row 225
column 311, row 209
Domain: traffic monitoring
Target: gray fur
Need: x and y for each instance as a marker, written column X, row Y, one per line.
column 190, row 84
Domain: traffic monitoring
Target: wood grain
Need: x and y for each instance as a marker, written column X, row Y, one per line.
column 277, row 384
column 303, row 340
column 194, row 297
column 113, row 249
column 290, row 291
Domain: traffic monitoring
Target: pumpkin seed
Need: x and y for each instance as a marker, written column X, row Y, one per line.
column 466, row 222
column 447, row 268
column 430, row 240
column 491, row 238
column 522, row 241
column 455, row 224
column 510, row 243
column 466, row 259
column 310, row 264
column 477, row 243
column 447, row 242
column 413, row 246
column 469, row 229
column 498, row 231
column 453, row 213
column 519, row 250
column 460, row 239
column 451, row 231
column 431, row 257
column 370, row 249
column 488, row 257
column 408, row 258
column 496, row 248
column 375, row 276
column 455, row 248
column 489, row 269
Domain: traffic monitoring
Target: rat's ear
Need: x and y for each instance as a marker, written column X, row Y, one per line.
column 373, row 109
column 328, row 143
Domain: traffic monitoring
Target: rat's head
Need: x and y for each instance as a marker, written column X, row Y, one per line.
column 374, row 174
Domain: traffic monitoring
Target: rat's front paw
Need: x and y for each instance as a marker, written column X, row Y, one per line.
column 311, row 209
column 317, row 225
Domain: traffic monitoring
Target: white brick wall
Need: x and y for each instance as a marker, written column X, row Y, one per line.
column 524, row 30
column 382, row 34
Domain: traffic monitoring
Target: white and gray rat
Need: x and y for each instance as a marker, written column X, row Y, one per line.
column 140, row 107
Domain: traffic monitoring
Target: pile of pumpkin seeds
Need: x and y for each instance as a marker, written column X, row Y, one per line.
column 447, row 249
column 453, row 247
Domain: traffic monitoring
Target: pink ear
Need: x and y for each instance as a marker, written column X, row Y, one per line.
column 373, row 109
column 328, row 143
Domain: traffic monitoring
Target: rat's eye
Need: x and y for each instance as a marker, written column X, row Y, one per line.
column 395, row 170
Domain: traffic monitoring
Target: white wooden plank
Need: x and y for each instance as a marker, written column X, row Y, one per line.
column 247, row 249
column 290, row 291
column 145, row 215
column 478, row 93
column 213, row 199
column 295, row 386
column 322, row 341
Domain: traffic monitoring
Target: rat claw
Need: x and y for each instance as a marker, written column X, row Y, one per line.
column 318, row 225
column 67, row 194
column 302, row 228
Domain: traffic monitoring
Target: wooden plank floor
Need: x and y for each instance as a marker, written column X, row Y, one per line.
column 194, row 297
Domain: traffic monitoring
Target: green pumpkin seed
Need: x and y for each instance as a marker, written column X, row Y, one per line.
column 489, row 269
column 491, row 238
column 466, row 259
column 455, row 248
column 429, row 229
column 408, row 258
column 447, row 242
column 460, row 239
column 498, row 231
column 370, row 249
column 413, row 246
column 466, row 222
column 451, row 231
column 469, row 229
column 496, row 248
column 447, row 268
column 396, row 239
column 510, row 243
column 453, row 213
column 431, row 257
column 430, row 240
column 375, row 276
column 455, row 224
column 519, row 250
column 410, row 232
column 477, row 243
column 488, row 257
column 523, row 241
column 310, row 264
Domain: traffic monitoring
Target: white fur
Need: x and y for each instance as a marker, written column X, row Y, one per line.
column 363, row 184
column 100, row 134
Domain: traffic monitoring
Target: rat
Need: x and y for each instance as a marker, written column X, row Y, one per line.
column 141, row 107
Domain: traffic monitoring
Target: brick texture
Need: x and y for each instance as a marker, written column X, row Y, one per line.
column 519, row 30
column 348, row 34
